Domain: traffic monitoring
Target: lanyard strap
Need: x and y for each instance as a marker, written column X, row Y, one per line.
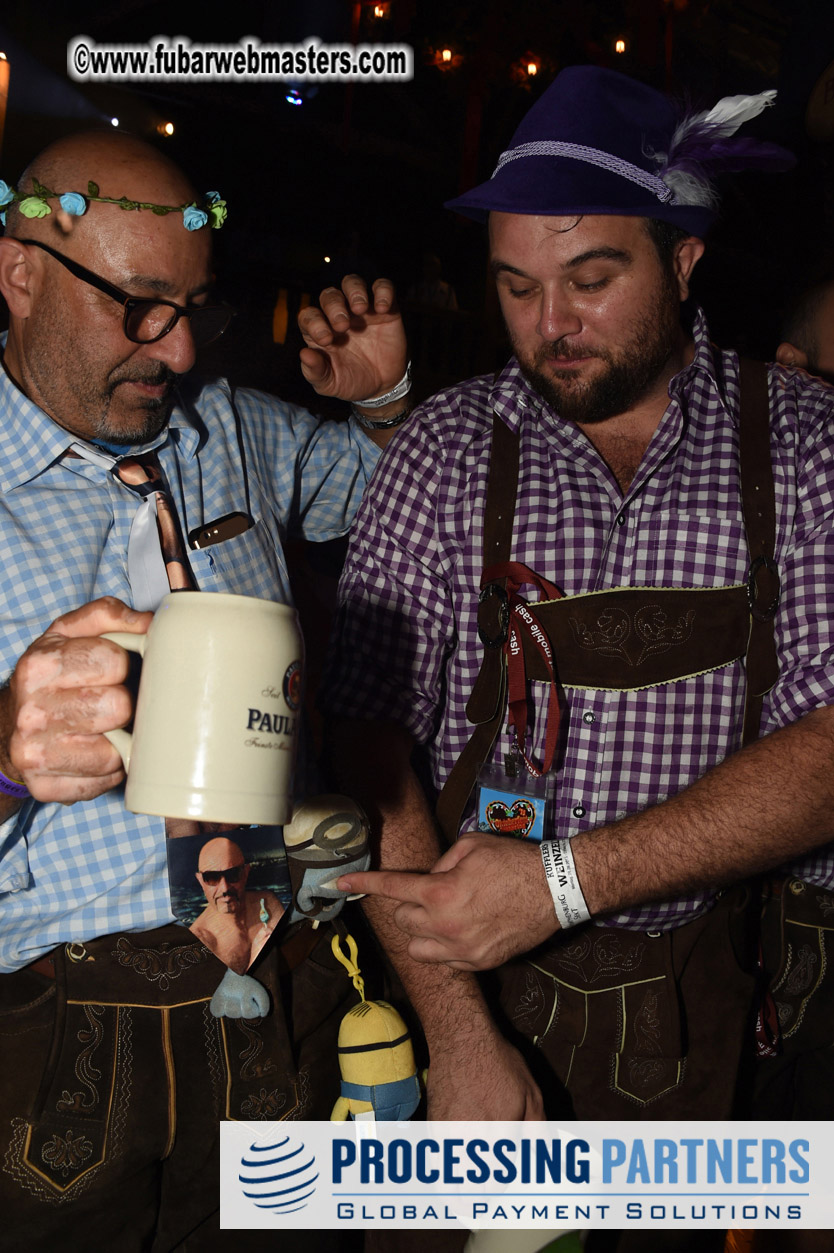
column 522, row 621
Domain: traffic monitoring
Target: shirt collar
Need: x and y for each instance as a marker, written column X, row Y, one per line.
column 511, row 393
column 31, row 441
column 708, row 361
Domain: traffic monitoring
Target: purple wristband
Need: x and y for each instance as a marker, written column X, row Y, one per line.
column 10, row 787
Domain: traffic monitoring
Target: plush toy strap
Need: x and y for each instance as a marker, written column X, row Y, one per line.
column 349, row 963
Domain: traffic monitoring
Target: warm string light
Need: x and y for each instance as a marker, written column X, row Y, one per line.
column 446, row 58
column 620, row 45
column 5, row 73
column 528, row 66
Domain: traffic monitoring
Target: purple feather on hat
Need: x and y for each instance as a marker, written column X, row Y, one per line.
column 709, row 153
column 704, row 144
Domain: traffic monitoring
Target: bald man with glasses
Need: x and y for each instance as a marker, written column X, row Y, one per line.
column 116, row 1072
column 237, row 921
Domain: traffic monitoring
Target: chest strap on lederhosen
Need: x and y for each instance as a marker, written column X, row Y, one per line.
column 624, row 638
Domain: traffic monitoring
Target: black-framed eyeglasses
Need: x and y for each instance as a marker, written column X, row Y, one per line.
column 231, row 875
column 147, row 320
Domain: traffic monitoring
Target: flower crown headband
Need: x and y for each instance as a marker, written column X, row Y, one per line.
column 35, row 204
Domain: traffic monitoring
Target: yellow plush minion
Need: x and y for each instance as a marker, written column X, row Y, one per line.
column 376, row 1058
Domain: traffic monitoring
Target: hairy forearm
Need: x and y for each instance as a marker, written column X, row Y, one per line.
column 764, row 805
column 372, row 764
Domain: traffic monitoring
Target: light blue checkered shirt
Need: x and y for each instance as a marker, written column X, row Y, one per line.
column 78, row 871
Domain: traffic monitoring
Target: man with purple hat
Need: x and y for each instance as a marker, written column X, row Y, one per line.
column 562, row 612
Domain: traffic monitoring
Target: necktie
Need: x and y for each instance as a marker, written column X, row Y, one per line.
column 157, row 563
column 143, row 475
column 156, row 555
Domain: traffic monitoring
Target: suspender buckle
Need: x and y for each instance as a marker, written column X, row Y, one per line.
column 763, row 610
column 493, row 620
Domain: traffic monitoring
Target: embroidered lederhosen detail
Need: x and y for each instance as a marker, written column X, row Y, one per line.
column 626, row 638
column 798, row 943
column 634, row 637
column 119, row 999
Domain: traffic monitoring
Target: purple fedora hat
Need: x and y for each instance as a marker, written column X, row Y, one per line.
column 600, row 142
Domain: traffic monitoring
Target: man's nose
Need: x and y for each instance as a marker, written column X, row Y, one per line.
column 176, row 349
column 557, row 317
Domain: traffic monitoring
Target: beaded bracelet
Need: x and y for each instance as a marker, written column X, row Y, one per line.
column 382, row 424
column 11, row 787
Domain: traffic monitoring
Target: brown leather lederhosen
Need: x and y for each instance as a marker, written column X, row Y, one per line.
column 629, row 637
column 607, row 1008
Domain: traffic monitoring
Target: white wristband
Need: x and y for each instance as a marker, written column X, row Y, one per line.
column 568, row 901
column 396, row 393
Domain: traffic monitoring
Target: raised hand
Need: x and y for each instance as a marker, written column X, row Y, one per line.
column 355, row 342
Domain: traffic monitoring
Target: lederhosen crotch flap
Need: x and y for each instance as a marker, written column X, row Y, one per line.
column 623, row 638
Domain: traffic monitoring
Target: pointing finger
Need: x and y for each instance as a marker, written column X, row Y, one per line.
column 396, row 885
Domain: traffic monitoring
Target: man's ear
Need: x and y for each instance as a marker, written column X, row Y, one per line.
column 687, row 255
column 790, row 355
column 16, row 277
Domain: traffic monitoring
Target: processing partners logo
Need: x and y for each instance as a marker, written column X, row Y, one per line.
column 503, row 1176
column 278, row 1175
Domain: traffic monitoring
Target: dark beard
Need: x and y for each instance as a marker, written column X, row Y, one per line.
column 631, row 372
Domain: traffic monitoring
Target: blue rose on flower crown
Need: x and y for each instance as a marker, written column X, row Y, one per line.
column 193, row 218
column 6, row 197
column 73, row 203
column 35, row 204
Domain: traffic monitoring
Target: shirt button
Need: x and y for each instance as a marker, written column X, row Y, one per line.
column 621, row 519
column 589, row 717
column 579, row 811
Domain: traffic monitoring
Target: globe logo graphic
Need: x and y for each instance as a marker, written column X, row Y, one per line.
column 278, row 1176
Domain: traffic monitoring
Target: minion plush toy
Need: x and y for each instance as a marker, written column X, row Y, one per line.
column 376, row 1059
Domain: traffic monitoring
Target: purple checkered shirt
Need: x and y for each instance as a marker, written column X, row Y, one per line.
column 407, row 647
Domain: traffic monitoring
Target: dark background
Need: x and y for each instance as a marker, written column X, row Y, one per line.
column 359, row 172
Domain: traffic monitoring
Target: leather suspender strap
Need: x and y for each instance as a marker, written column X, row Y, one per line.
column 486, row 704
column 759, row 508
